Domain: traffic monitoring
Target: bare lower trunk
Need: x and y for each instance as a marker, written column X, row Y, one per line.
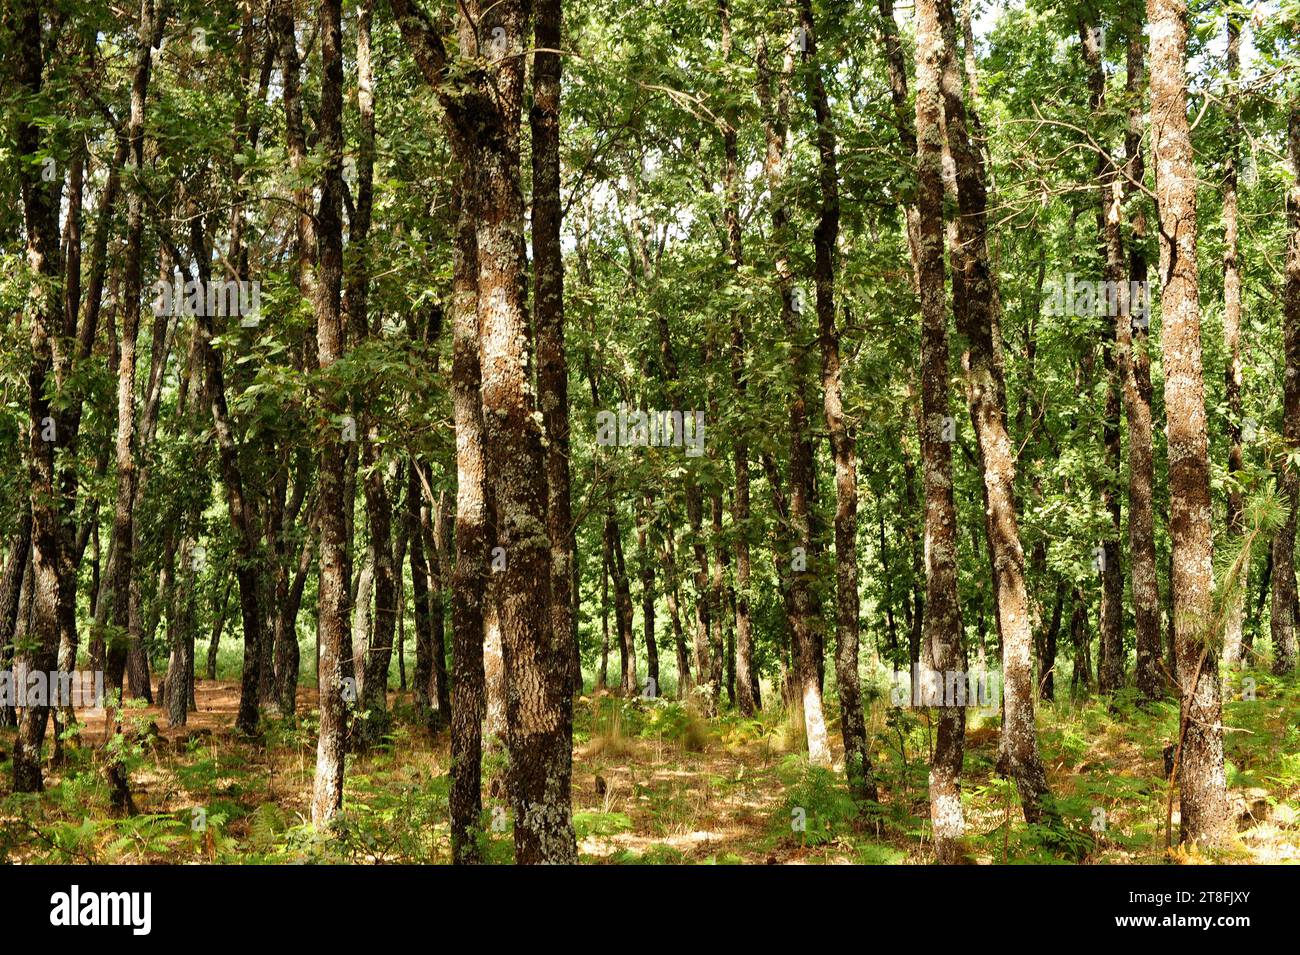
column 669, row 551
column 646, row 558
column 11, row 590
column 421, row 583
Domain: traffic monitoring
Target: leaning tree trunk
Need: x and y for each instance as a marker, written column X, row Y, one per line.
column 1018, row 756
column 237, row 504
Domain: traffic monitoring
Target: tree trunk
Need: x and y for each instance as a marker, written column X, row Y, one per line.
column 420, row 583
column 669, row 550
column 1284, row 583
column 1047, row 656
column 718, row 595
column 468, row 702
column 1232, row 373
column 1081, row 674
column 548, row 298
column 943, row 631
column 704, row 621
column 218, row 624
column 745, row 680
column 538, row 705
column 1111, row 247
column 622, row 605
column 181, row 624
column 602, row 677
column 332, row 603
column 1133, row 359
column 120, row 568
column 798, row 570
column 11, row 586
column 36, row 649
column 1204, row 809
column 441, row 566
column 379, row 507
column 241, row 512
column 857, row 755
column 646, row 558
column 1019, row 756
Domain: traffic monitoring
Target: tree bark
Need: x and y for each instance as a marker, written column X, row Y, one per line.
column 468, row 702
column 1111, row 247
column 332, row 603
column 120, row 567
column 37, row 648
column 622, row 604
column 646, row 558
column 420, row 583
column 11, row 586
column 379, row 506
column 1232, row 372
column 943, row 630
column 1284, row 584
column 1133, row 359
column 857, row 754
column 548, row 298
column 745, row 679
column 1203, row 802
column 538, row 703
column 1019, row 756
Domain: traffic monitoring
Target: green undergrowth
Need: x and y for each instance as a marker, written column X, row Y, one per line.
column 658, row 782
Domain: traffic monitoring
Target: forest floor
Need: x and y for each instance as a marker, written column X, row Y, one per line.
column 654, row 783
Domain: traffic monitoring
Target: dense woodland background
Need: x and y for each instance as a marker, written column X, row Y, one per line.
column 991, row 315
